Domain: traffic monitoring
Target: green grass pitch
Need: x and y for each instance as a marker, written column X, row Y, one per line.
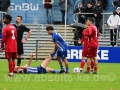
column 108, row 78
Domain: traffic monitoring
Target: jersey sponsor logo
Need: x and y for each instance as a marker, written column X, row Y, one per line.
column 24, row 7
column 77, row 54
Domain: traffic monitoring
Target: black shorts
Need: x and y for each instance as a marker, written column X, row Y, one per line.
column 20, row 48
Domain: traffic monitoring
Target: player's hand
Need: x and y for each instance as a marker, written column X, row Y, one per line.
column 23, row 40
column 52, row 51
column 1, row 50
column 32, row 55
column 79, row 13
column 95, row 15
column 79, row 42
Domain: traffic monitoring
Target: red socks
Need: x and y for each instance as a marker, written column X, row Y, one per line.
column 13, row 65
column 82, row 64
column 10, row 66
column 95, row 69
column 92, row 64
column 88, row 69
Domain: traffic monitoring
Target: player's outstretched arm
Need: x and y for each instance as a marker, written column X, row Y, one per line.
column 29, row 62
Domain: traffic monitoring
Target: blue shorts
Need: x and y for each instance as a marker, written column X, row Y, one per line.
column 41, row 70
column 62, row 54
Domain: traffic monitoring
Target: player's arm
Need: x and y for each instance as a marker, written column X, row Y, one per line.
column 55, row 40
column 56, row 46
column 28, row 35
column 81, row 40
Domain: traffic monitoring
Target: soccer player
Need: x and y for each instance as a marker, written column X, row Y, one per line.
column 9, row 38
column 93, row 46
column 42, row 69
column 85, row 39
column 20, row 40
column 60, row 48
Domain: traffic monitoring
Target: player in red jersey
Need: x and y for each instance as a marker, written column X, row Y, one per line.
column 9, row 36
column 85, row 39
column 93, row 45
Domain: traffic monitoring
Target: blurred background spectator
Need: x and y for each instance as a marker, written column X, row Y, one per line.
column 89, row 9
column 80, row 9
column 98, row 10
column 81, row 19
column 104, row 4
column 48, row 10
column 62, row 8
column 86, row 2
column 116, row 3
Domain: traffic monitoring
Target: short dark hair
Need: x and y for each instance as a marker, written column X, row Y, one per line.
column 20, row 17
column 8, row 17
column 91, row 19
column 49, row 28
column 98, row 1
column 114, row 13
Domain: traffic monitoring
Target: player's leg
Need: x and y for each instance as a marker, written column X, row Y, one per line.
column 14, row 55
column 45, row 63
column 10, row 63
column 60, row 63
column 20, row 52
column 95, row 65
column 82, row 63
column 88, row 65
column 84, row 54
column 94, row 54
column 66, row 65
column 63, row 55
column 48, row 69
column 92, row 64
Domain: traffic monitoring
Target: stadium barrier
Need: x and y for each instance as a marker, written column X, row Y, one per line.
column 104, row 54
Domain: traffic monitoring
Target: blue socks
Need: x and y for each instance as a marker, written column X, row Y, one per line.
column 56, row 71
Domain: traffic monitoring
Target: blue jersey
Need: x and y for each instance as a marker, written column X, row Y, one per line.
column 59, row 40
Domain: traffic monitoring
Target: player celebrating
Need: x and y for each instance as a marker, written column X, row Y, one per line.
column 60, row 48
column 20, row 40
column 93, row 45
column 42, row 69
column 9, row 38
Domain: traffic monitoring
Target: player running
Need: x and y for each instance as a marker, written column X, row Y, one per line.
column 42, row 69
column 9, row 38
column 60, row 48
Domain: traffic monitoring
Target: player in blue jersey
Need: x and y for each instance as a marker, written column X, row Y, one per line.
column 42, row 69
column 60, row 48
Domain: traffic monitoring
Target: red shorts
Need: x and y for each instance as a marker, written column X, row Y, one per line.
column 84, row 53
column 92, row 52
column 10, row 54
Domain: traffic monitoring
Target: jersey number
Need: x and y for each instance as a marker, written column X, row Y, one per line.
column 13, row 34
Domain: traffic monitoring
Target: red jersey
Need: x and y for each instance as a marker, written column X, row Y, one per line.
column 93, row 35
column 9, row 38
column 85, row 39
column 93, row 41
